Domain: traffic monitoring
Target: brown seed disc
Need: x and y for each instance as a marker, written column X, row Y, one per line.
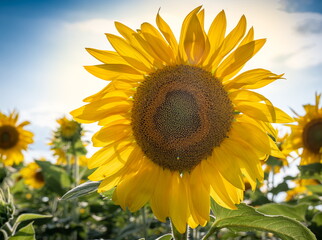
column 180, row 113
column 39, row 176
column 9, row 136
column 312, row 135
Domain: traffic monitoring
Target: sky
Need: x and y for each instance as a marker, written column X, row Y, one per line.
column 42, row 51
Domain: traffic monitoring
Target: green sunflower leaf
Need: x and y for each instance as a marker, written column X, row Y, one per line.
column 317, row 189
column 311, row 171
column 31, row 216
column 165, row 237
column 81, row 190
column 25, row 233
column 293, row 211
column 56, row 178
column 317, row 219
column 247, row 218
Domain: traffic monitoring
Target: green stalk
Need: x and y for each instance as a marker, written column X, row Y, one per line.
column 144, row 223
column 212, row 232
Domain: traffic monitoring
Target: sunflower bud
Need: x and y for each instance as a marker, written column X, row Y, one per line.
column 6, row 208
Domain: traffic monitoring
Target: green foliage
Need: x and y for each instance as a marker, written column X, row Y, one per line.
column 165, row 237
column 246, row 218
column 317, row 189
column 30, row 216
column 311, row 171
column 56, row 178
column 25, row 233
column 297, row 212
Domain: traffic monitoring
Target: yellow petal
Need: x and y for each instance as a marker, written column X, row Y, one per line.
column 100, row 109
column 199, row 194
column 129, row 53
column 250, row 103
column 253, row 135
column 179, row 210
column 229, row 42
column 160, row 198
column 110, row 134
column 223, row 160
column 104, row 155
column 235, row 61
column 111, row 72
column 167, row 33
column 157, row 43
column 106, row 56
column 218, row 191
column 194, row 41
column 252, row 79
column 184, row 29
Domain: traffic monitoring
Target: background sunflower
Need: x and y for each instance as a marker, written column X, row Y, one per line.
column 13, row 139
column 306, row 137
column 32, row 175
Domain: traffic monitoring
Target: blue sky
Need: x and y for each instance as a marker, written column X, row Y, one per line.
column 42, row 47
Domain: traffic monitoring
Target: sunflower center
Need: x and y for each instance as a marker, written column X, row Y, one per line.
column 312, row 135
column 179, row 115
column 9, row 136
column 39, row 177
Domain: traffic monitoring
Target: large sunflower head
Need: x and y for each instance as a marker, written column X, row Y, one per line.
column 33, row 175
column 178, row 124
column 13, row 139
column 306, row 136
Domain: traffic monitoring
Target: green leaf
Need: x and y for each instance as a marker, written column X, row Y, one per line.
column 25, row 233
column 165, row 237
column 317, row 189
column 56, row 178
column 311, row 171
column 246, row 218
column 282, row 187
column 273, row 161
column 313, row 200
column 293, row 211
column 317, row 219
column 31, row 216
column 108, row 194
column 81, row 190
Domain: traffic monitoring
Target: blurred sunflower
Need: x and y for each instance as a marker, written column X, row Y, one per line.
column 62, row 158
column 68, row 129
column 13, row 139
column 32, row 175
column 178, row 125
column 307, row 134
column 274, row 163
column 300, row 188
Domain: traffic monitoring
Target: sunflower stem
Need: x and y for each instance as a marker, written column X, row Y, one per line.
column 4, row 233
column 212, row 232
column 144, row 223
column 177, row 235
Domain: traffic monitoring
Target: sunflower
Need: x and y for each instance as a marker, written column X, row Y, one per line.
column 300, row 188
column 178, row 125
column 68, row 129
column 307, row 134
column 275, row 164
column 62, row 158
column 32, row 175
column 13, row 139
